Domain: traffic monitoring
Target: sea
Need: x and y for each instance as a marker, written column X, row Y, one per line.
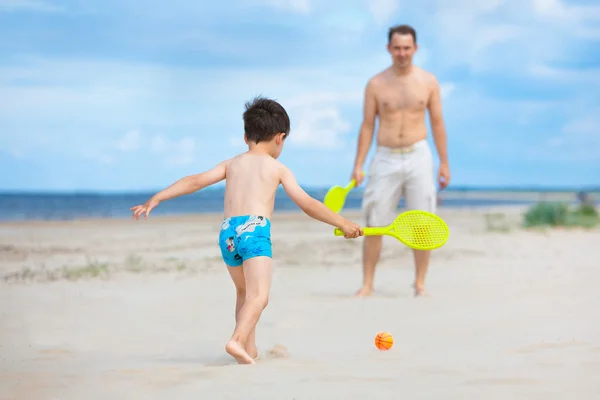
column 87, row 205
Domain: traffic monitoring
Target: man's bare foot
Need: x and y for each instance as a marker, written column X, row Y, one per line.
column 420, row 291
column 364, row 291
column 237, row 351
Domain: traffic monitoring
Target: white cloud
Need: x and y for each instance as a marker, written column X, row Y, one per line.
column 587, row 126
column 17, row 153
column 585, row 77
column 312, row 126
column 159, row 144
column 318, row 126
column 294, row 6
column 130, row 141
column 508, row 35
column 176, row 152
column 237, row 141
column 447, row 88
column 421, row 57
column 382, row 10
column 85, row 92
column 154, row 148
column 316, row 119
column 28, row 5
column 99, row 156
column 556, row 10
column 183, row 152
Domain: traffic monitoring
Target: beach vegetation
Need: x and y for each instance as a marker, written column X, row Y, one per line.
column 560, row 214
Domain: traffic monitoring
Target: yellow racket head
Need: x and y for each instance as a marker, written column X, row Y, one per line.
column 420, row 230
column 335, row 198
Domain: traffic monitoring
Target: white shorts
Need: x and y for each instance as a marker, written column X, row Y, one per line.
column 395, row 173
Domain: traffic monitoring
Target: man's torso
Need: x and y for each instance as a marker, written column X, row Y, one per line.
column 401, row 107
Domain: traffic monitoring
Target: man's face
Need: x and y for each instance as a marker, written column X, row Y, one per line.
column 402, row 48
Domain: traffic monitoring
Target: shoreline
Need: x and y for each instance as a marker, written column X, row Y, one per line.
column 277, row 214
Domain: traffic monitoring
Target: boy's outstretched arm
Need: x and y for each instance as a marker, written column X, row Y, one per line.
column 314, row 208
column 183, row 186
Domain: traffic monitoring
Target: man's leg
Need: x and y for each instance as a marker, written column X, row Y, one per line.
column 382, row 196
column 257, row 272
column 421, row 195
column 421, row 258
column 371, row 253
column 237, row 275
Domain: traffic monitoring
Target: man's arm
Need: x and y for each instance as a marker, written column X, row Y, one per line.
column 311, row 206
column 367, row 129
column 193, row 183
column 437, row 121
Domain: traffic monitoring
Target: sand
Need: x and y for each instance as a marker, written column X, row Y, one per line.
column 123, row 309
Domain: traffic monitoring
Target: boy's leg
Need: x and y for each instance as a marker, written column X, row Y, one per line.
column 257, row 271
column 237, row 275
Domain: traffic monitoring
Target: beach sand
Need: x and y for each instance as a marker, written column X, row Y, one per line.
column 123, row 309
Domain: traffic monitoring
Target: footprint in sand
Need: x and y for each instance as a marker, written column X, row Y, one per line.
column 553, row 346
column 500, row 381
column 56, row 351
column 53, row 354
column 278, row 351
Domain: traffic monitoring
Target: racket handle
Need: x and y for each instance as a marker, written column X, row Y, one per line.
column 366, row 232
column 351, row 185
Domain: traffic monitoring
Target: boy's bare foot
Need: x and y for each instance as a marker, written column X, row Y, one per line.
column 252, row 350
column 237, row 351
column 364, row 291
column 252, row 353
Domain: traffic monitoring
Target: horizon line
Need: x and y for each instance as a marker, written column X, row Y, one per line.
column 457, row 188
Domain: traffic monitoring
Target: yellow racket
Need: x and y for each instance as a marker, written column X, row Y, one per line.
column 336, row 196
column 417, row 229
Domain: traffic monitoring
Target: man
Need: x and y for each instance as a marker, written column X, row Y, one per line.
column 403, row 165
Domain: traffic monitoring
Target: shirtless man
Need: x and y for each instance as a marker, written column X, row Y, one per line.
column 251, row 180
column 403, row 164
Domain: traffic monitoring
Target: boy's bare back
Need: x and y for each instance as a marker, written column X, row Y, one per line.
column 251, row 179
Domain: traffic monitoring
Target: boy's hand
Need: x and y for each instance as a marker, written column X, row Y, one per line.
column 351, row 230
column 144, row 208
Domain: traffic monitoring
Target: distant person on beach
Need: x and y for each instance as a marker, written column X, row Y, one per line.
column 252, row 178
column 403, row 165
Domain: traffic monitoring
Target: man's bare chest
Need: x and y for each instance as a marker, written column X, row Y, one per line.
column 403, row 97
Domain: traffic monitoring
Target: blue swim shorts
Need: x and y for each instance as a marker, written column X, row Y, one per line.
column 244, row 237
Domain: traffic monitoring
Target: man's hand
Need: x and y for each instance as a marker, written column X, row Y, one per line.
column 358, row 175
column 444, row 176
column 351, row 230
column 144, row 208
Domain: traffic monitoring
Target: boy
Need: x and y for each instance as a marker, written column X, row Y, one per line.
column 245, row 237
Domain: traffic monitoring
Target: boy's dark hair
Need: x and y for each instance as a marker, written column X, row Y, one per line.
column 264, row 118
column 402, row 30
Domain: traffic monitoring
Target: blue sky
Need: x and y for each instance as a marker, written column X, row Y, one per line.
column 123, row 95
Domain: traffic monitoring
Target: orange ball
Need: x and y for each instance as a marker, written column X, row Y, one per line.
column 384, row 341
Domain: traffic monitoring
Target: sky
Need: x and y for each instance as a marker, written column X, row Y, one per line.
column 130, row 96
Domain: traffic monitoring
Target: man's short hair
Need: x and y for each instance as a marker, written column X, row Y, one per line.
column 264, row 118
column 402, row 30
